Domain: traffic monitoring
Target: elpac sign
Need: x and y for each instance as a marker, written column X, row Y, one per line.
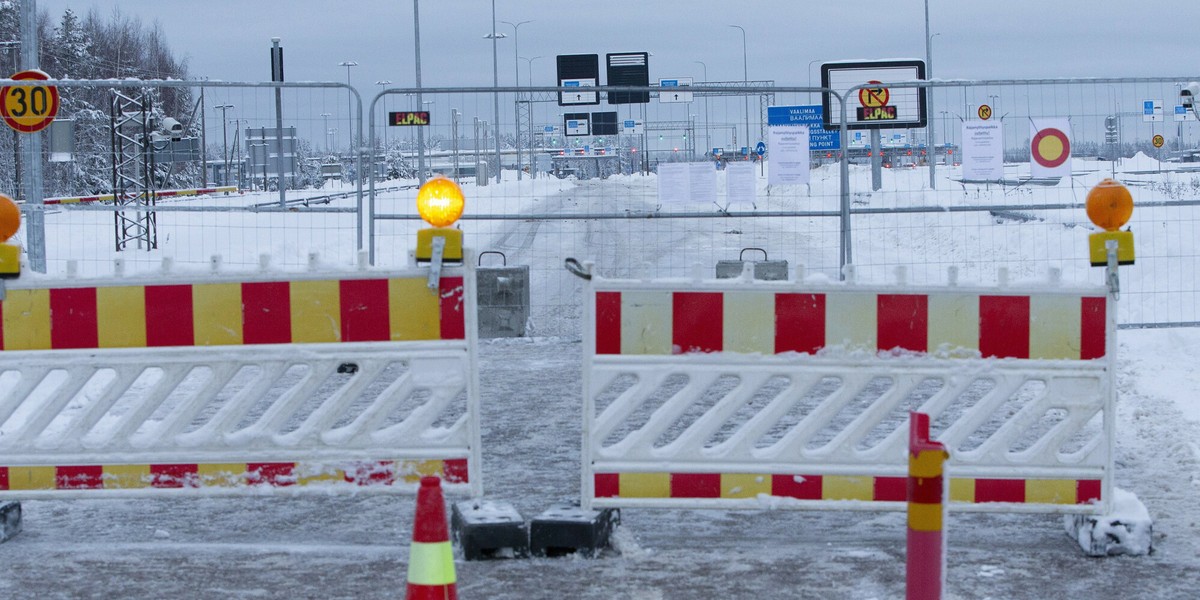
column 870, row 102
column 408, row 118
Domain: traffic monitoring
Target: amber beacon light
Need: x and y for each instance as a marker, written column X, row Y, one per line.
column 10, row 222
column 440, row 203
column 1109, row 206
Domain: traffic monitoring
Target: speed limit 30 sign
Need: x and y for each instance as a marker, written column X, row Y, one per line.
column 29, row 108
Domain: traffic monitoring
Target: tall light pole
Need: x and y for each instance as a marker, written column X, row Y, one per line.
column 417, row 59
column 325, row 122
column 529, row 68
column 224, row 142
column 929, row 95
column 349, row 100
column 746, row 81
column 383, row 83
column 707, row 139
column 494, row 36
column 516, row 82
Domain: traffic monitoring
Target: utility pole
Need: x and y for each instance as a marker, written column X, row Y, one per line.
column 35, row 222
column 224, row 142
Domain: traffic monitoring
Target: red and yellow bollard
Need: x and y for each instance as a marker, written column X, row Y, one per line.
column 926, row 511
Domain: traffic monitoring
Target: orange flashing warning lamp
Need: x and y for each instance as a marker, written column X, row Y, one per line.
column 440, row 203
column 1109, row 206
column 10, row 222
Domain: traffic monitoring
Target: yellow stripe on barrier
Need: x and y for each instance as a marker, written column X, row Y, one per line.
column 925, row 517
column 121, row 316
column 749, row 322
column 646, row 326
column 221, row 475
column 32, row 478
column 644, row 485
column 851, row 320
column 745, row 485
column 126, row 476
column 844, row 487
column 431, row 563
column 1055, row 327
column 316, row 312
column 217, row 314
column 411, row 471
column 27, row 320
column 962, row 490
column 413, row 310
column 1051, row 491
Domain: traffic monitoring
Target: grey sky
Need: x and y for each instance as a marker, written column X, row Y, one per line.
column 228, row 39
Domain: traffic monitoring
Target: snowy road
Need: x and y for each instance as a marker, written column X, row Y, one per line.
column 357, row 547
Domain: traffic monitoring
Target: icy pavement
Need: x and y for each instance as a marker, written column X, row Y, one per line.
column 338, row 547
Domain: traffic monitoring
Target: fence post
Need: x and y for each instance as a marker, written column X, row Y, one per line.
column 926, row 552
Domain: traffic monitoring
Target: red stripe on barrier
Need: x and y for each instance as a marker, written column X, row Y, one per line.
column 174, row 476
column 371, row 473
column 1004, row 326
column 89, row 477
column 3, row 478
column 697, row 322
column 266, row 313
column 926, row 490
column 695, row 485
column 417, row 591
column 786, row 486
column 272, row 474
column 454, row 470
column 608, row 485
column 364, row 306
column 608, row 322
column 73, row 318
column 453, row 310
column 903, row 322
column 169, row 315
column 1094, row 328
column 1087, row 490
column 799, row 323
column 1000, row 490
column 891, row 489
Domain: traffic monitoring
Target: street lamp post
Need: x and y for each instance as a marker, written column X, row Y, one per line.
column 516, row 82
column 224, row 142
column 707, row 139
column 746, row 81
column 929, row 94
column 349, row 99
column 494, row 36
column 383, row 83
column 325, row 122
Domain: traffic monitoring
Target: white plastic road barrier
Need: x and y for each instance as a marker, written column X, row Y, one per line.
column 358, row 381
column 749, row 394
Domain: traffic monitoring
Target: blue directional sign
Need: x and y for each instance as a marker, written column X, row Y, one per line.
column 812, row 115
column 760, row 149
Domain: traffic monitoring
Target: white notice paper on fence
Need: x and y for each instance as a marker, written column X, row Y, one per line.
column 789, row 154
column 687, row 182
column 703, row 177
column 673, row 184
column 740, row 183
column 982, row 151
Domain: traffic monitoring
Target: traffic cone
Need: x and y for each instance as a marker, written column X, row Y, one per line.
column 430, row 558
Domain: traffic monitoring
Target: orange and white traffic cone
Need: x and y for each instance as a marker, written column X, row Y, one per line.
column 430, row 558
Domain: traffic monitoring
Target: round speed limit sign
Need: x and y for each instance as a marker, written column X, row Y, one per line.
column 29, row 108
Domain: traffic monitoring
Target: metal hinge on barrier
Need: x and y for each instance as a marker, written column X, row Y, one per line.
column 435, row 262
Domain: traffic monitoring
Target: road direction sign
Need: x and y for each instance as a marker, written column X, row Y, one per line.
column 812, row 115
column 29, row 108
column 672, row 90
column 1152, row 111
column 578, row 96
column 760, row 149
column 631, row 127
column 1181, row 112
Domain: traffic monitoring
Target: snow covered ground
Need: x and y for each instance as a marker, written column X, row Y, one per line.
column 357, row 547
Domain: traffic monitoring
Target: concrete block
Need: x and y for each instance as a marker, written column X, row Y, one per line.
column 486, row 529
column 10, row 520
column 765, row 270
column 502, row 294
column 568, row 529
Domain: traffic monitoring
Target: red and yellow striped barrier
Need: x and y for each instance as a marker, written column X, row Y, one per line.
column 219, row 314
column 271, row 474
column 658, row 322
column 231, row 189
column 926, row 555
column 864, row 488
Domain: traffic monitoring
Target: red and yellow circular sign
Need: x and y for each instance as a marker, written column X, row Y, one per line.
column 29, row 108
column 1158, row 140
column 874, row 97
column 1050, row 147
